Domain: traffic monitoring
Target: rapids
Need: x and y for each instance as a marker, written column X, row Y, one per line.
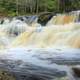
column 62, row 30
column 53, row 46
column 51, row 36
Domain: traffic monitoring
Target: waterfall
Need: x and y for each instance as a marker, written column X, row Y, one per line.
column 61, row 30
column 54, row 45
column 50, row 36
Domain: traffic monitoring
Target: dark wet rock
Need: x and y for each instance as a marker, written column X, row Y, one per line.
column 76, row 71
column 2, row 21
column 44, row 18
column 5, row 75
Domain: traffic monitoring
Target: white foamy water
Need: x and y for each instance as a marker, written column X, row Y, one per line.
column 40, row 57
column 47, row 46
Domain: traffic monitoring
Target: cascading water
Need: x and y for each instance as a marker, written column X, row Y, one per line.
column 42, row 46
column 51, row 36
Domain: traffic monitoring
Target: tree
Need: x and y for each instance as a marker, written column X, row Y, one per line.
column 23, row 7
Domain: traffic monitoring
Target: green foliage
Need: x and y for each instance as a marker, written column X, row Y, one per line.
column 7, row 7
column 23, row 7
